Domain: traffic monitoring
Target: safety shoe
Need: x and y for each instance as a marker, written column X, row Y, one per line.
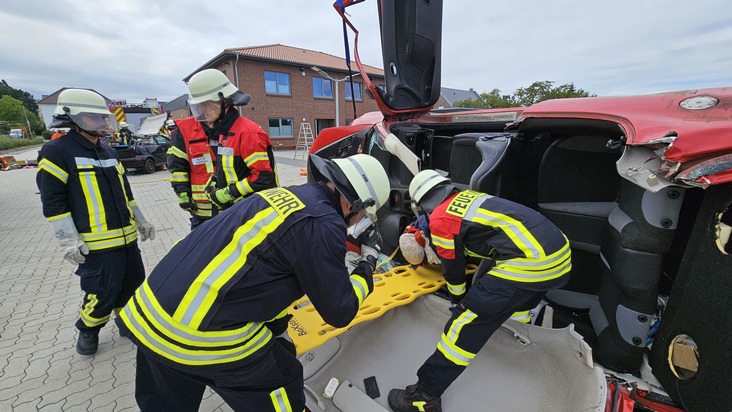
column 414, row 399
column 87, row 342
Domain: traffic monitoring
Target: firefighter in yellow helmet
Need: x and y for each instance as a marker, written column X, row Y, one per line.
column 217, row 157
column 89, row 203
column 526, row 254
column 213, row 311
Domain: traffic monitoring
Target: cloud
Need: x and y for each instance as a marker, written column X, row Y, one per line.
column 133, row 49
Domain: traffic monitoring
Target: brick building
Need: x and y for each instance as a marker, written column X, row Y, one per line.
column 286, row 92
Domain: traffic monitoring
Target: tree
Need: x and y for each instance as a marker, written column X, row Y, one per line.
column 24, row 97
column 12, row 113
column 524, row 96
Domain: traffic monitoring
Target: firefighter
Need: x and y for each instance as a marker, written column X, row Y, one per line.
column 170, row 127
column 528, row 256
column 88, row 201
column 217, row 156
column 213, row 311
column 124, row 135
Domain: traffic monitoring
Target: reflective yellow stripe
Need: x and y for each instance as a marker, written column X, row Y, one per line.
column 457, row 289
column 198, row 188
column 514, row 229
column 88, row 308
column 522, row 316
column 174, row 151
column 62, row 215
column 109, row 238
column 443, row 242
column 506, row 271
column 547, row 262
column 205, row 289
column 457, row 325
column 255, row 157
column 53, row 169
column 179, row 177
column 360, row 287
column 93, row 198
column 453, row 353
column 227, row 165
column 280, row 401
column 159, row 332
column 244, row 187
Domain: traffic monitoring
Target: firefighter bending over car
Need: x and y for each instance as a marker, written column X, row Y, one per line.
column 214, row 310
column 529, row 256
column 124, row 135
column 217, row 157
column 88, row 201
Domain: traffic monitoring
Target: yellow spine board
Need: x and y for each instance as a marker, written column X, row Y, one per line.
column 398, row 287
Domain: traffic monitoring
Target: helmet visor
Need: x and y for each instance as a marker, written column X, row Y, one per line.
column 363, row 224
column 208, row 111
column 95, row 122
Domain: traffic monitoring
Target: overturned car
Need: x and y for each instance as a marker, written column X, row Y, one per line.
column 641, row 186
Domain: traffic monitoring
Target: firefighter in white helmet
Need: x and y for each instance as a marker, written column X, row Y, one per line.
column 525, row 253
column 214, row 310
column 217, row 157
column 89, row 204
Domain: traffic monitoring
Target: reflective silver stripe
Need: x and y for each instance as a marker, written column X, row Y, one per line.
column 457, row 289
column 280, row 400
column 535, row 263
column 452, row 354
column 458, row 324
column 85, row 161
column 369, row 186
column 196, row 356
column 359, row 287
column 507, row 272
column 180, row 334
column 474, row 206
column 508, row 226
column 218, row 271
column 88, row 106
column 225, row 151
column 437, row 176
column 215, row 89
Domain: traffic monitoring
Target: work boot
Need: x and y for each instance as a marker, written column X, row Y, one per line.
column 414, row 399
column 87, row 342
column 123, row 331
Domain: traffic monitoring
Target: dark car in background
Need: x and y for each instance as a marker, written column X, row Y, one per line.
column 147, row 150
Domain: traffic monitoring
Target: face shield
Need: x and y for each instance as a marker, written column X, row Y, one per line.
column 363, row 223
column 95, row 123
column 208, row 111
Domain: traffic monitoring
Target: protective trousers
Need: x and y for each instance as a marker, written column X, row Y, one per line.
column 488, row 303
column 108, row 279
column 272, row 381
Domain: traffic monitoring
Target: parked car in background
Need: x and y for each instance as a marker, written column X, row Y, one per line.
column 641, row 186
column 147, row 150
column 17, row 133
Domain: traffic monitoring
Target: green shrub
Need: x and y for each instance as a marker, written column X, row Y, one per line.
column 47, row 134
column 6, row 142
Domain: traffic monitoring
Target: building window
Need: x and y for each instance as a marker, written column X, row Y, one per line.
column 322, row 88
column 277, row 83
column 356, row 90
column 280, row 127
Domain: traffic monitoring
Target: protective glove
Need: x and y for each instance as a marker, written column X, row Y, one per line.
column 185, row 202
column 145, row 229
column 220, row 197
column 74, row 248
column 370, row 245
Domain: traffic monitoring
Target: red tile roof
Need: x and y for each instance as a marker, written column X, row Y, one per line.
column 308, row 58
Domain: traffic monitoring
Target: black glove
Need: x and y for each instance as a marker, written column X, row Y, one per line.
column 455, row 298
column 370, row 241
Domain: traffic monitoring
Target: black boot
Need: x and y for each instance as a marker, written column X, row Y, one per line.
column 414, row 399
column 88, row 342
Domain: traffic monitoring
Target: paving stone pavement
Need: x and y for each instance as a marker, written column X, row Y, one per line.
column 40, row 300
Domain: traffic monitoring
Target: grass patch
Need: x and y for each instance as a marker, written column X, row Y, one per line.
column 6, row 142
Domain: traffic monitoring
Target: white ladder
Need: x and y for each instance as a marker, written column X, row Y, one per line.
column 304, row 140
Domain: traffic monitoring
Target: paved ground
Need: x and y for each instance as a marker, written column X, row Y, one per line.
column 40, row 297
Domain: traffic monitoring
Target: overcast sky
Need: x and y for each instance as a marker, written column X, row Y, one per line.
column 133, row 49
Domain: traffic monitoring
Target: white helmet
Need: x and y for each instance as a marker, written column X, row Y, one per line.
column 211, row 85
column 362, row 181
column 423, row 182
column 170, row 124
column 123, row 125
column 86, row 109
